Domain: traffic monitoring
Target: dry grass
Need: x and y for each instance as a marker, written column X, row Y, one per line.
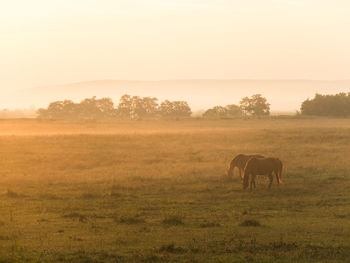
column 157, row 192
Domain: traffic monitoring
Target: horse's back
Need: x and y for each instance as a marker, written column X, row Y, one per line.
column 245, row 158
column 240, row 160
column 275, row 162
column 265, row 165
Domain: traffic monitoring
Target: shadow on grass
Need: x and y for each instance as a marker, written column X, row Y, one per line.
column 130, row 220
column 174, row 220
column 250, row 222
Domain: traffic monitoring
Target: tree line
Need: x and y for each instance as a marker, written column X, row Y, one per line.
column 135, row 107
column 130, row 107
column 255, row 105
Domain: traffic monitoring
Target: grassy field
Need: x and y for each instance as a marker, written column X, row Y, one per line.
column 148, row 191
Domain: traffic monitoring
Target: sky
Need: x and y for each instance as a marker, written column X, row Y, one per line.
column 46, row 42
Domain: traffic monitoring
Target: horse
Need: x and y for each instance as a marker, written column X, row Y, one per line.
column 240, row 162
column 262, row 166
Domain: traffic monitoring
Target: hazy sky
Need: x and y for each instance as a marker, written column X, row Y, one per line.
column 60, row 41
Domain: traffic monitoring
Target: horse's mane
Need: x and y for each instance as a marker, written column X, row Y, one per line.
column 237, row 157
column 230, row 166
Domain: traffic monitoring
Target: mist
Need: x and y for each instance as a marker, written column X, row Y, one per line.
column 174, row 131
column 283, row 95
column 50, row 44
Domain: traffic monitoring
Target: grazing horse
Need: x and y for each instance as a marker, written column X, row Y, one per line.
column 240, row 162
column 262, row 166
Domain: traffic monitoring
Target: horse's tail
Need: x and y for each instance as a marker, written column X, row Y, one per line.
column 279, row 172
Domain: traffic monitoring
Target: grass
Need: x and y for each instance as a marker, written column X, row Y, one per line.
column 171, row 248
column 157, row 192
column 173, row 221
column 13, row 194
column 130, row 220
column 209, row 224
column 250, row 222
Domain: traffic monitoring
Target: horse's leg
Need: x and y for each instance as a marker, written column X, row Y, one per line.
column 277, row 177
column 280, row 176
column 252, row 181
column 240, row 174
column 271, row 179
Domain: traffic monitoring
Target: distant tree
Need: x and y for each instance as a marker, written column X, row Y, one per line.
column 96, row 108
column 181, row 109
column 137, row 107
column 327, row 105
column 106, row 107
column 58, row 110
column 174, row 109
column 223, row 112
column 125, row 107
column 233, row 110
column 87, row 109
column 256, row 105
column 144, row 107
column 216, row 112
column 129, row 108
column 165, row 108
column 42, row 114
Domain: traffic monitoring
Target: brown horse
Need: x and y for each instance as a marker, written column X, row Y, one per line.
column 240, row 162
column 262, row 166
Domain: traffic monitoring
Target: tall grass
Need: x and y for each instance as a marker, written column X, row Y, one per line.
column 143, row 192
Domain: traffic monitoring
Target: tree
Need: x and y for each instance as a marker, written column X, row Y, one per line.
column 125, row 107
column 223, row 112
column 129, row 107
column 87, row 109
column 59, row 110
column 256, row 105
column 216, row 112
column 233, row 110
column 106, row 107
column 136, row 107
column 181, row 109
column 174, row 109
column 327, row 105
column 144, row 107
column 96, row 108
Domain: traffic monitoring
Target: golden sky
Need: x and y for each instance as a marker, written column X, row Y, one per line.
column 60, row 41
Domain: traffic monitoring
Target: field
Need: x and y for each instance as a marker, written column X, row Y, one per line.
column 148, row 191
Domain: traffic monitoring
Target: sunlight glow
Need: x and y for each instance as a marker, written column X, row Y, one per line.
column 48, row 42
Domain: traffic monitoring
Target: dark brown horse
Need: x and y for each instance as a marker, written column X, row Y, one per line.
column 240, row 162
column 262, row 166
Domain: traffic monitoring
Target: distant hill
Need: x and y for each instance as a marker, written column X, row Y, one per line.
column 284, row 95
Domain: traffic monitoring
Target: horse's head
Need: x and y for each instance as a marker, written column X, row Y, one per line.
column 231, row 167
column 245, row 180
column 230, row 171
column 248, row 169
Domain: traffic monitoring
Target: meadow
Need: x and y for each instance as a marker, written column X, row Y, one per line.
column 156, row 191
